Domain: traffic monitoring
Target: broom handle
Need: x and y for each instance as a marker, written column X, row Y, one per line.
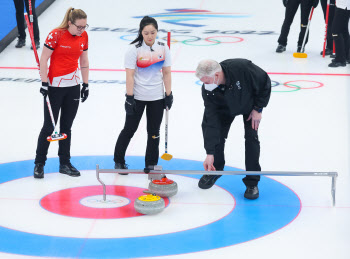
column 167, row 110
column 50, row 111
column 166, row 129
column 326, row 29
column 30, row 29
column 307, row 28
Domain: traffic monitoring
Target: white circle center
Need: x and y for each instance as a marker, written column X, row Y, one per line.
column 112, row 201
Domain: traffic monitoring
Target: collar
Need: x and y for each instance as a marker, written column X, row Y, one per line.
column 151, row 47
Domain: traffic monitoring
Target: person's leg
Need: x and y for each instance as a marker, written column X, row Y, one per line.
column 69, row 108
column 47, row 129
column 20, row 23
column 154, row 113
column 291, row 9
column 252, row 152
column 347, row 38
column 339, row 28
column 130, row 127
column 305, row 9
column 330, row 23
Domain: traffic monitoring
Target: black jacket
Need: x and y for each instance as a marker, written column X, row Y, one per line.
column 246, row 86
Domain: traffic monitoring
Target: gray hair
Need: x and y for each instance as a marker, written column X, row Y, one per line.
column 207, row 67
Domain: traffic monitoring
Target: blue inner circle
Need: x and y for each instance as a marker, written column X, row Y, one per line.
column 276, row 207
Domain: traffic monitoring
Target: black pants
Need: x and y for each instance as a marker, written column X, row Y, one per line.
column 20, row 18
column 154, row 113
column 252, row 149
column 65, row 99
column 291, row 9
column 340, row 32
column 329, row 44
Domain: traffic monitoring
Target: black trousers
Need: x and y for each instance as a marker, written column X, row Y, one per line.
column 291, row 9
column 19, row 5
column 340, row 32
column 329, row 44
column 252, row 149
column 154, row 114
column 65, row 99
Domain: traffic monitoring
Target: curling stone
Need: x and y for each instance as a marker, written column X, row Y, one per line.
column 163, row 187
column 149, row 204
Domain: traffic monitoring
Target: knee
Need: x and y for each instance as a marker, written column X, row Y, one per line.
column 251, row 136
column 153, row 135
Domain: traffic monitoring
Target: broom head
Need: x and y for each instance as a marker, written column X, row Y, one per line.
column 299, row 55
column 56, row 137
column 166, row 156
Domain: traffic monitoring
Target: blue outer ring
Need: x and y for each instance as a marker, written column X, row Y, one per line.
column 276, row 207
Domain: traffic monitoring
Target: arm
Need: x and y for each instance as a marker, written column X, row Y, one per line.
column 130, row 81
column 261, row 86
column 84, row 66
column 44, row 58
column 167, row 79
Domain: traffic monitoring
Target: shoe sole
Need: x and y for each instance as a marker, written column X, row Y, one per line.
column 70, row 174
column 205, row 186
column 251, row 197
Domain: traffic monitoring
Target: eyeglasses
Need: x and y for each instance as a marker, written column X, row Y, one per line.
column 81, row 27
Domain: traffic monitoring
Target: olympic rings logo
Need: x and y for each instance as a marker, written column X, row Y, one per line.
column 290, row 86
column 295, row 85
column 194, row 40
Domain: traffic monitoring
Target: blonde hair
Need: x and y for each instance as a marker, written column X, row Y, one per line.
column 72, row 15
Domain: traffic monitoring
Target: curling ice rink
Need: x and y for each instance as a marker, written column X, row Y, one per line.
column 304, row 128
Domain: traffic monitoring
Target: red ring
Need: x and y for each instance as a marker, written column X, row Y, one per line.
column 290, row 86
column 67, row 202
column 240, row 39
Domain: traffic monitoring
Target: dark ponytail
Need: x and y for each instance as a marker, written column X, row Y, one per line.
column 144, row 22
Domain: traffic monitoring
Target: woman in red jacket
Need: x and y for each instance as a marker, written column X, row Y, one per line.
column 64, row 46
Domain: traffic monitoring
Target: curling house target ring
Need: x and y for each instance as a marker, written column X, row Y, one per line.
column 276, row 207
column 73, row 202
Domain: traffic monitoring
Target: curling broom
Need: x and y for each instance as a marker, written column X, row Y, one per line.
column 55, row 136
column 166, row 155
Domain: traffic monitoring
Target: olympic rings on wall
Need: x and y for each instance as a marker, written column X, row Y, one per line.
column 193, row 40
column 289, row 86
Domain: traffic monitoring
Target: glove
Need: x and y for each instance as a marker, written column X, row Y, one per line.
column 285, row 2
column 44, row 90
column 315, row 3
column 130, row 105
column 168, row 100
column 84, row 93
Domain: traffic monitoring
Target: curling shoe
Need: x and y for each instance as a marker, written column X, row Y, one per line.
column 37, row 44
column 68, row 169
column 121, row 166
column 39, row 171
column 280, row 48
column 337, row 64
column 20, row 43
column 327, row 52
column 207, row 181
column 252, row 192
